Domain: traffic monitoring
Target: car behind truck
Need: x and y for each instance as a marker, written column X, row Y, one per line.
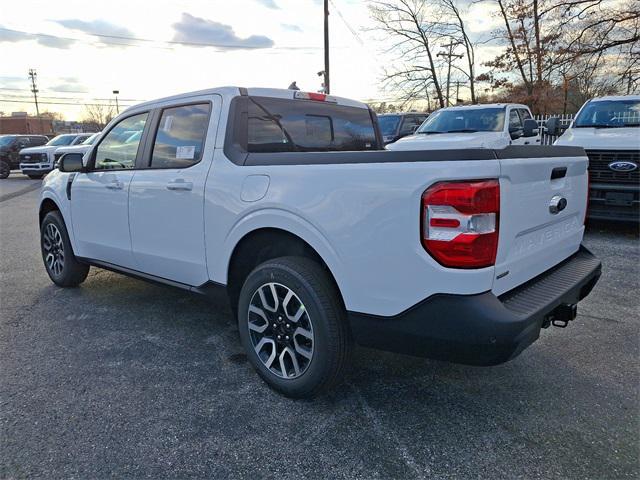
column 608, row 128
column 495, row 125
column 320, row 237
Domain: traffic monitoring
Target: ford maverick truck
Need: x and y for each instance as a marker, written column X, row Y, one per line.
column 320, row 237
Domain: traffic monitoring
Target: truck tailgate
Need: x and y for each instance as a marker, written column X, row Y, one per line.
column 542, row 209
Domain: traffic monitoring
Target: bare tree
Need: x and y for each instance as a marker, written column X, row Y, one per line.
column 414, row 31
column 568, row 43
column 98, row 115
column 456, row 26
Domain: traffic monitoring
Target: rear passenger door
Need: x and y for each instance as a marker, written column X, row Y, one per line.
column 166, row 195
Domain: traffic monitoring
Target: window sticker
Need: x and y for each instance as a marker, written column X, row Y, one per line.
column 186, row 152
column 168, row 121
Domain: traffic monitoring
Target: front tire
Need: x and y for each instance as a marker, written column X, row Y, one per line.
column 61, row 264
column 293, row 326
column 5, row 169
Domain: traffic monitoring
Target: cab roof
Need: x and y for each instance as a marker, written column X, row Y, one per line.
column 230, row 92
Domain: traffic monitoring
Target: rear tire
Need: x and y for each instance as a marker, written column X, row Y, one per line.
column 5, row 169
column 309, row 313
column 61, row 264
column 35, row 177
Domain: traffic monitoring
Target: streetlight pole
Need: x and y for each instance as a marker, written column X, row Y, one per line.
column 116, row 92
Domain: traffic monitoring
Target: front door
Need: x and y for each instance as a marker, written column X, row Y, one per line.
column 166, row 196
column 516, row 129
column 99, row 198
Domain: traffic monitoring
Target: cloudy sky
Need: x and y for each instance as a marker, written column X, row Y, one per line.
column 83, row 50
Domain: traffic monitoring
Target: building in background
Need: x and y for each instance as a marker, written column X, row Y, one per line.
column 22, row 123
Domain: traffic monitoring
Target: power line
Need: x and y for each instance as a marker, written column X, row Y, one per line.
column 46, row 97
column 355, row 34
column 149, row 40
column 5, row 100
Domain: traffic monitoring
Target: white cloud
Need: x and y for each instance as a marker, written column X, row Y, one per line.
column 11, row 36
column 291, row 27
column 201, row 31
column 95, row 27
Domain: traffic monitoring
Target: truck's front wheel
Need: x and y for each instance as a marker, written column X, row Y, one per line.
column 61, row 264
column 293, row 326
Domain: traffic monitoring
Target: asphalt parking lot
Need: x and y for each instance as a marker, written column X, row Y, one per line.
column 121, row 378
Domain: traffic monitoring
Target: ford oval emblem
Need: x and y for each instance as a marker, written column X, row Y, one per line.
column 623, row 166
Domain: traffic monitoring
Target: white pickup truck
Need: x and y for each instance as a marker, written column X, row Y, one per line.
column 495, row 125
column 35, row 162
column 608, row 128
column 320, row 236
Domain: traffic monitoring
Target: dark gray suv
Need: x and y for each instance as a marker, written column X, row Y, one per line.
column 10, row 146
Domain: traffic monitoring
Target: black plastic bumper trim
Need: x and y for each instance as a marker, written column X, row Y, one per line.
column 480, row 329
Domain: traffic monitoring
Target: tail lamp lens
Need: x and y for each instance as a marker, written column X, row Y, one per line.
column 460, row 223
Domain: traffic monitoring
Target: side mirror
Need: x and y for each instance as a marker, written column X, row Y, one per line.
column 530, row 128
column 515, row 133
column 553, row 126
column 71, row 162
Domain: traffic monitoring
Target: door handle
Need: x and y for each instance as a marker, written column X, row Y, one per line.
column 115, row 185
column 180, row 184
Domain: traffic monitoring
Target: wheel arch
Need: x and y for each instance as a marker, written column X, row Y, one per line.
column 47, row 205
column 265, row 243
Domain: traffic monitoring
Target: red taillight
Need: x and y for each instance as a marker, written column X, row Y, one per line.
column 460, row 222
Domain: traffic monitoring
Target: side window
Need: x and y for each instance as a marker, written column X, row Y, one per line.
column 514, row 121
column 524, row 114
column 119, row 147
column 23, row 142
column 410, row 124
column 180, row 138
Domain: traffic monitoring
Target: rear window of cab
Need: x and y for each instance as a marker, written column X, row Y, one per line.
column 282, row 125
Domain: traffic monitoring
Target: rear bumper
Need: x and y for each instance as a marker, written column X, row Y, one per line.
column 480, row 329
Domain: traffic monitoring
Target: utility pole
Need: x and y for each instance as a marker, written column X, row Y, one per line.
column 33, row 75
column 449, row 55
column 326, row 47
column 458, row 83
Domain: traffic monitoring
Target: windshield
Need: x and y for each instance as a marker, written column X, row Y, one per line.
column 61, row 140
column 6, row 140
column 389, row 124
column 469, row 120
column 609, row 114
column 91, row 139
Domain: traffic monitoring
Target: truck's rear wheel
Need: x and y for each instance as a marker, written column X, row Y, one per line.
column 293, row 326
column 60, row 262
column 5, row 169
